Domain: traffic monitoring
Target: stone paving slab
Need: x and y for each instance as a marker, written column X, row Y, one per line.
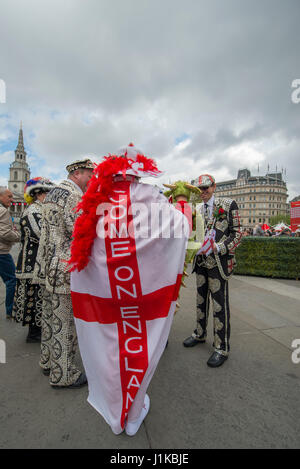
column 252, row 401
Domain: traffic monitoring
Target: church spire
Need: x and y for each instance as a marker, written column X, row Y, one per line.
column 19, row 169
column 20, row 146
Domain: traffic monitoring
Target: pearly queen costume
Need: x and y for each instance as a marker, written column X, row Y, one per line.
column 28, row 295
column 214, row 270
column 127, row 270
column 59, row 340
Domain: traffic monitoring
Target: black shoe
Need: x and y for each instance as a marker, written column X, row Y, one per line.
column 192, row 341
column 32, row 339
column 216, row 359
column 81, row 381
column 34, row 334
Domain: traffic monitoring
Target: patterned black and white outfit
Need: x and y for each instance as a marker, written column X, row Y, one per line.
column 59, row 338
column 213, row 272
column 29, row 296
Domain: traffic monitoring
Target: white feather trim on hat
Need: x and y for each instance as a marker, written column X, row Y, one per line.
column 36, row 184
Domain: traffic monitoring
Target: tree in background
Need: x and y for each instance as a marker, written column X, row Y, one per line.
column 280, row 218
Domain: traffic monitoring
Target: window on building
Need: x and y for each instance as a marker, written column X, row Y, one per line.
column 16, row 175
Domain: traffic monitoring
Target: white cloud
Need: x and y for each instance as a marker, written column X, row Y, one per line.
column 3, row 181
column 246, row 154
column 7, row 157
column 86, row 77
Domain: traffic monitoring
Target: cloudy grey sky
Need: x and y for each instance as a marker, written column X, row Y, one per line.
column 201, row 86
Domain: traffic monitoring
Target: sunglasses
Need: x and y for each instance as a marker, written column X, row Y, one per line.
column 204, row 188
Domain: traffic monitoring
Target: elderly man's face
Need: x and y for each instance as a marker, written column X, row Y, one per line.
column 6, row 198
column 207, row 192
column 83, row 177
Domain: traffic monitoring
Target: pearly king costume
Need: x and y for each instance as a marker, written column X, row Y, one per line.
column 59, row 340
column 213, row 270
column 129, row 267
column 29, row 295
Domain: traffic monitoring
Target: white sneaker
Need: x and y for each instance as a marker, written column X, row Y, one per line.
column 131, row 428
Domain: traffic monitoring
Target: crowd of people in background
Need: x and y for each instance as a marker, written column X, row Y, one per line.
column 271, row 231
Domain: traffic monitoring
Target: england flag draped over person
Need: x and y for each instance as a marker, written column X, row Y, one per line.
column 127, row 262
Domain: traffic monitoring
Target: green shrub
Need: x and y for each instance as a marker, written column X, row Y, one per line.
column 280, row 218
column 278, row 256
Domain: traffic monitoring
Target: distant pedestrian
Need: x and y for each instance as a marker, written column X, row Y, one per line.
column 258, row 231
column 8, row 236
column 285, row 232
column 28, row 296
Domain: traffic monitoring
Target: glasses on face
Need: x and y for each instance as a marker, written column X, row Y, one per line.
column 205, row 188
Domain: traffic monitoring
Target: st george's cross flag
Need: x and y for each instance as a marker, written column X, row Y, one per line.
column 124, row 299
column 208, row 243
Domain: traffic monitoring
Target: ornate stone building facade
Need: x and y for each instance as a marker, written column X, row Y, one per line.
column 19, row 173
column 258, row 197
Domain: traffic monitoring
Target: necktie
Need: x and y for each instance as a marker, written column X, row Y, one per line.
column 206, row 213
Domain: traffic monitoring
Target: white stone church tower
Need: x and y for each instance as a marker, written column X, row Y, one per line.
column 19, row 171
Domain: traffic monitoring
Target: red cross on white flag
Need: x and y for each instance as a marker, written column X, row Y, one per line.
column 124, row 301
column 208, row 243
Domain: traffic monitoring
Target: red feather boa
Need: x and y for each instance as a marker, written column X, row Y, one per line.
column 99, row 191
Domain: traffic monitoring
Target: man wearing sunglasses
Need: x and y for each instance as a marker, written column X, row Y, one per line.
column 214, row 265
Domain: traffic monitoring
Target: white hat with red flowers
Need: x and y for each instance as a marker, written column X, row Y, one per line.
column 205, row 180
column 138, row 164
